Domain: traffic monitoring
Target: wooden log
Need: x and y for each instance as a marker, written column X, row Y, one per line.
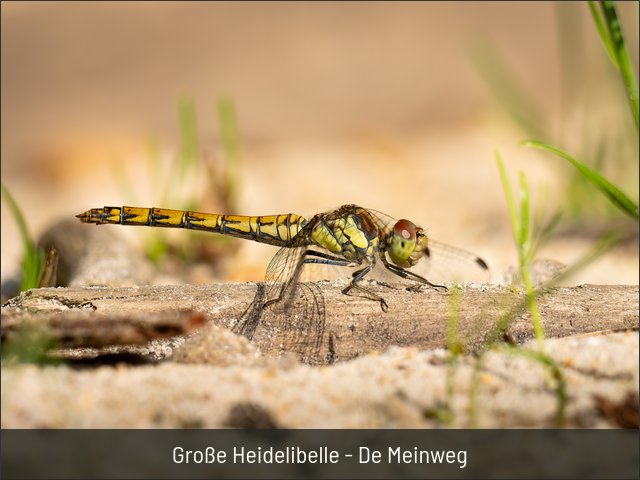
column 323, row 325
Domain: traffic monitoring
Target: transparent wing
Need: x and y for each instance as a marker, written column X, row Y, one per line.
column 283, row 274
column 295, row 316
column 300, row 305
column 382, row 219
column 450, row 264
column 303, row 329
column 278, row 289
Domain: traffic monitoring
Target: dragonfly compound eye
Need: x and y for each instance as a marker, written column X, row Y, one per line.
column 402, row 243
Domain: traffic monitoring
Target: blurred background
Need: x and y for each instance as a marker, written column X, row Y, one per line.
column 277, row 107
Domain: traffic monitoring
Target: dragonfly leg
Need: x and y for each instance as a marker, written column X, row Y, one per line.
column 401, row 272
column 323, row 258
column 285, row 288
column 359, row 275
column 327, row 259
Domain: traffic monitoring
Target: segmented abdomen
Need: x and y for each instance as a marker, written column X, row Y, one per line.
column 272, row 229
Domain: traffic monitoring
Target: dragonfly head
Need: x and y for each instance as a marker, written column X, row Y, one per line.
column 407, row 244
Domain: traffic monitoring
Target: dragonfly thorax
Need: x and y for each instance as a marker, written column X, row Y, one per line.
column 407, row 243
column 349, row 232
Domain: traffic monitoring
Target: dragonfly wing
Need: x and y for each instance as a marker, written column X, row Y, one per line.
column 283, row 275
column 279, row 284
column 295, row 317
column 300, row 305
column 303, row 328
column 382, row 218
column 447, row 263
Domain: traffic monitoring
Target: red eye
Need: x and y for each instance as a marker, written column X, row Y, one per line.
column 405, row 229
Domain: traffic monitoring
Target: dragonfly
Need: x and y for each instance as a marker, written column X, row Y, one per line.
column 349, row 236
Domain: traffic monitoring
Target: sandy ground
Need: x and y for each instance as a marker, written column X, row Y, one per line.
column 401, row 388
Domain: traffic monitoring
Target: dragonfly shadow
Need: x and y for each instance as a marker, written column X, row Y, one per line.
column 296, row 323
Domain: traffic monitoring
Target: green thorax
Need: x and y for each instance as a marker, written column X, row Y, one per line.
column 350, row 232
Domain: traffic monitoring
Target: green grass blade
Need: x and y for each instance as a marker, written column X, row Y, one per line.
column 513, row 215
column 32, row 264
column 188, row 136
column 29, row 344
column 543, row 230
column 33, row 257
column 123, row 179
column 605, row 37
column 154, row 164
column 602, row 246
column 508, row 90
column 231, row 148
column 27, row 244
column 454, row 344
column 525, row 218
column 228, row 127
column 613, row 193
column 613, row 41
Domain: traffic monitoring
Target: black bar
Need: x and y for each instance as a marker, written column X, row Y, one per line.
column 161, row 454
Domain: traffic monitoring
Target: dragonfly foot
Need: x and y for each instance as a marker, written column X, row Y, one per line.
column 268, row 303
column 383, row 305
column 419, row 286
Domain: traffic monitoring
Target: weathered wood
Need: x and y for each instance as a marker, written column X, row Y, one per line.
column 323, row 326
column 83, row 327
